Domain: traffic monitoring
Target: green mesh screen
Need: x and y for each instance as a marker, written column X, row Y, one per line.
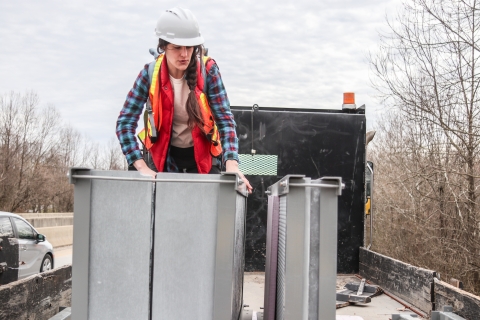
column 259, row 164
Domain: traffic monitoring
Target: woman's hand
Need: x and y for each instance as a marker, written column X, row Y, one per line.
column 232, row 166
column 142, row 167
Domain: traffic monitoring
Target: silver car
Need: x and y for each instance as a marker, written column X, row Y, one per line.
column 23, row 251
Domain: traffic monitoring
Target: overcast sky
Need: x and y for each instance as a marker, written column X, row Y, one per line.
column 84, row 56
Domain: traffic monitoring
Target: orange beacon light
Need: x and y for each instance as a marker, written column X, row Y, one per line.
column 349, row 100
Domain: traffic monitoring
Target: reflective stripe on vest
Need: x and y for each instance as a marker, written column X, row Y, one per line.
column 209, row 128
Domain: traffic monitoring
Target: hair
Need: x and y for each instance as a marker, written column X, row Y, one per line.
column 192, row 107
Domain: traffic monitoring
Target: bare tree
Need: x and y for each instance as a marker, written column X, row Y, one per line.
column 426, row 70
column 36, row 151
column 114, row 156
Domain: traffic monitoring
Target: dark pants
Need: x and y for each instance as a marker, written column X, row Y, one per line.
column 184, row 159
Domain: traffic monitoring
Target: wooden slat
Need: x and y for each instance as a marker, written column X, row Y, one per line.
column 408, row 282
column 464, row 304
column 38, row 296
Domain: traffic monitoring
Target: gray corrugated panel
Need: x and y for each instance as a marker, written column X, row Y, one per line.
column 298, row 233
column 282, row 242
column 239, row 255
column 313, row 286
column 271, row 258
column 306, row 272
column 117, row 247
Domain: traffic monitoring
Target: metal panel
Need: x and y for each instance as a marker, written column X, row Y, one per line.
column 296, row 274
column 197, row 243
column 81, row 245
column 313, row 285
column 307, row 251
column 272, row 257
column 223, row 292
column 239, row 255
column 111, row 247
column 119, row 236
column 185, row 233
column 177, row 255
column 282, row 261
column 327, row 252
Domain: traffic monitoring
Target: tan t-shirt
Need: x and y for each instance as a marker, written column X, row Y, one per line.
column 181, row 133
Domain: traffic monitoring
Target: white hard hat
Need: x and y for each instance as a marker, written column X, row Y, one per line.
column 179, row 26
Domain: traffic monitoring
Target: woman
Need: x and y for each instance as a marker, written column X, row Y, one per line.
column 176, row 86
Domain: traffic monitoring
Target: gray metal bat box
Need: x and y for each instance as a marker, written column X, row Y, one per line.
column 301, row 262
column 164, row 248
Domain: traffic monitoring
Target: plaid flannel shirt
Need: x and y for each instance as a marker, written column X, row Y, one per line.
column 137, row 97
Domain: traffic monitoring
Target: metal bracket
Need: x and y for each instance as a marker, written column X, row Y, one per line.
column 283, row 185
column 352, row 298
column 357, row 292
column 240, row 186
column 337, row 180
column 361, row 287
column 325, row 182
column 367, row 288
column 73, row 171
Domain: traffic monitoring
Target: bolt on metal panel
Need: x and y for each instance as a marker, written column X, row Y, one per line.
column 307, row 248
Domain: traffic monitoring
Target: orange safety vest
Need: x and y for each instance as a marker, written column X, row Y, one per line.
column 161, row 99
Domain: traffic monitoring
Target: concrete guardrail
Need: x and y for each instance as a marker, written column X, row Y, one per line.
column 57, row 226
column 50, row 222
column 58, row 236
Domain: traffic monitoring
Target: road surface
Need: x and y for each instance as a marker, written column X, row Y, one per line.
column 62, row 256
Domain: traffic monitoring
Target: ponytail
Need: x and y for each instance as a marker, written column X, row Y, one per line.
column 193, row 109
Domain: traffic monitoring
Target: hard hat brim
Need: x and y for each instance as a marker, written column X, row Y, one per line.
column 190, row 42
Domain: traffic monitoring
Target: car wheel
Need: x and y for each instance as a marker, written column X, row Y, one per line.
column 46, row 263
